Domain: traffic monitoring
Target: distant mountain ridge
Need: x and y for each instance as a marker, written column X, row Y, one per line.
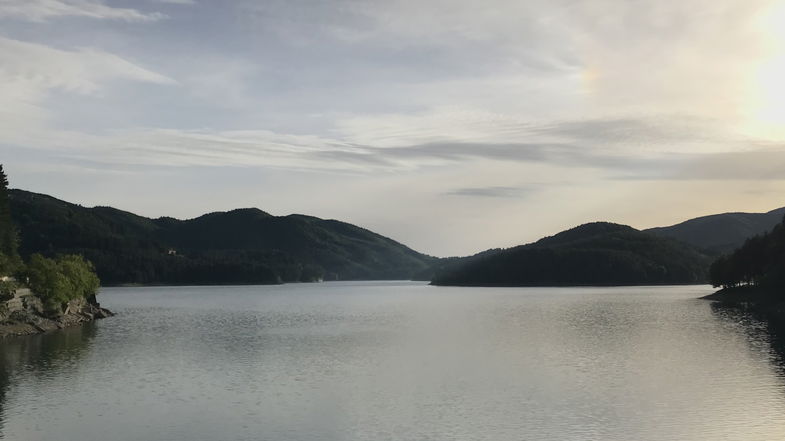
column 602, row 253
column 248, row 245
column 239, row 246
column 594, row 254
column 721, row 233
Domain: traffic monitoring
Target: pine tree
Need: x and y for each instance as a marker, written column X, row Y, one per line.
column 9, row 257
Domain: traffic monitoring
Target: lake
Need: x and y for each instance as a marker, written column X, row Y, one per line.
column 399, row 361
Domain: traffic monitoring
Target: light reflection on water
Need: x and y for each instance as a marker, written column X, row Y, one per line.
column 371, row 361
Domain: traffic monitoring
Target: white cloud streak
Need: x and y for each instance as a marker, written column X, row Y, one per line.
column 177, row 2
column 81, row 71
column 31, row 72
column 43, row 10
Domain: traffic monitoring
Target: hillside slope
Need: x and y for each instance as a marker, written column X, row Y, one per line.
column 754, row 275
column 721, row 233
column 239, row 246
column 598, row 253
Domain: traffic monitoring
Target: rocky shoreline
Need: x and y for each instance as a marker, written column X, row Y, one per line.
column 24, row 314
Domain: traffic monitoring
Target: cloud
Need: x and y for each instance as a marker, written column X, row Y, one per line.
column 176, row 2
column 263, row 148
column 184, row 148
column 640, row 131
column 752, row 165
column 631, row 133
column 31, row 72
column 213, row 148
column 81, row 71
column 42, row 10
column 563, row 154
column 607, row 53
column 491, row 192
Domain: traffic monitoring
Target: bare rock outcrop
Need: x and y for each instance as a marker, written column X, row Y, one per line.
column 25, row 314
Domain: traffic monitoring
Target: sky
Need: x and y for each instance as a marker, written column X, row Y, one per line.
column 450, row 126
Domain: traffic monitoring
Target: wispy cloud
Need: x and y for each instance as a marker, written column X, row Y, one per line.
column 31, row 72
column 751, row 165
column 81, row 70
column 43, row 10
column 262, row 148
column 491, row 192
column 176, row 2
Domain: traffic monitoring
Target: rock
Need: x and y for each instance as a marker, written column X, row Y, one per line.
column 24, row 314
column 103, row 313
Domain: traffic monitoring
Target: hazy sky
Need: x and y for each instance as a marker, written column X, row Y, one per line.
column 451, row 126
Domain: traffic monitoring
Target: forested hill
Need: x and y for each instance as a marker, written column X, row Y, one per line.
column 721, row 233
column 239, row 246
column 754, row 273
column 759, row 262
column 598, row 253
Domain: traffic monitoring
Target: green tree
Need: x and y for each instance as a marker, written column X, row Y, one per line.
column 80, row 274
column 9, row 257
column 57, row 281
column 46, row 281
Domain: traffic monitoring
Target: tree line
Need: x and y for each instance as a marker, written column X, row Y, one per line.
column 759, row 262
column 243, row 246
column 598, row 254
column 55, row 281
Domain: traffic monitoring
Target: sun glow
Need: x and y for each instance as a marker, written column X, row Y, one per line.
column 771, row 80
column 768, row 80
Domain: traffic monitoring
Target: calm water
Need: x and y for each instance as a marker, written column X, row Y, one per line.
column 399, row 361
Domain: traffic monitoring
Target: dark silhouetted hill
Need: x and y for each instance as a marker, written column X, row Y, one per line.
column 721, row 233
column 596, row 254
column 239, row 246
column 754, row 274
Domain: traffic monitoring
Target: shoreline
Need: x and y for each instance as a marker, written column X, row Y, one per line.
column 588, row 285
column 24, row 315
column 755, row 298
column 315, row 282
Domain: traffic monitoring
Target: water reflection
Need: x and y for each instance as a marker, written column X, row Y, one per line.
column 366, row 362
column 40, row 356
column 765, row 333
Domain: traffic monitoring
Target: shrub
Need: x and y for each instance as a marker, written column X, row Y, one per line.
column 57, row 281
column 7, row 290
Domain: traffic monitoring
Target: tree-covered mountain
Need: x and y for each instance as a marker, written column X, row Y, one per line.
column 239, row 246
column 721, row 233
column 598, row 253
column 758, row 268
column 251, row 246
